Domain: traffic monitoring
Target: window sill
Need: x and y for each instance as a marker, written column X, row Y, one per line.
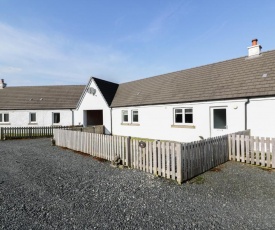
column 34, row 123
column 130, row 124
column 3, row 123
column 184, row 126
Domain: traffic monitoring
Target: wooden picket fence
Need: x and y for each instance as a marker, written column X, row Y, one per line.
column 171, row 160
column 159, row 158
column 252, row 150
column 27, row 132
column 98, row 145
column 43, row 131
column 200, row 156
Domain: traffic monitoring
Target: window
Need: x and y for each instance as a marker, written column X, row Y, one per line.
column 32, row 117
column 4, row 117
column 188, row 115
column 183, row 116
column 124, row 116
column 135, row 116
column 56, row 118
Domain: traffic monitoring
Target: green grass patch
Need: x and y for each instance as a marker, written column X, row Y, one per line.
column 197, row 180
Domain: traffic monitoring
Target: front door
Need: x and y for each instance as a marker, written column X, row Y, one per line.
column 218, row 121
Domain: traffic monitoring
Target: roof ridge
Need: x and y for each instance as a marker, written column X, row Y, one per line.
column 24, row 86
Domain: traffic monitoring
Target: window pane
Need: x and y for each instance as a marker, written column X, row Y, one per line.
column 178, row 118
column 33, row 117
column 1, row 119
column 188, row 115
column 178, row 110
column 135, row 116
column 124, row 116
column 56, row 117
column 188, row 118
column 219, row 118
column 6, row 117
column 178, row 115
column 188, row 111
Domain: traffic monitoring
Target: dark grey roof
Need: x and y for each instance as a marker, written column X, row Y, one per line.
column 236, row 78
column 108, row 89
column 40, row 97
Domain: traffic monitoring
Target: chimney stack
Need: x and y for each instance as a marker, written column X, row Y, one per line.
column 2, row 84
column 255, row 49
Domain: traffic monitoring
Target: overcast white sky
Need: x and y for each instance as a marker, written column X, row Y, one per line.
column 67, row 41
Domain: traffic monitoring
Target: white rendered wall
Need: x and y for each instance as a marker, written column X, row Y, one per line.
column 21, row 118
column 261, row 117
column 94, row 102
column 155, row 121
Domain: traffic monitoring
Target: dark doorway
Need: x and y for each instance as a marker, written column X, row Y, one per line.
column 94, row 117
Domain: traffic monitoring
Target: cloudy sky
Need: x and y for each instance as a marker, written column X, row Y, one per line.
column 67, row 41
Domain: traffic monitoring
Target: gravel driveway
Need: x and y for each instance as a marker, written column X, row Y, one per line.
column 47, row 187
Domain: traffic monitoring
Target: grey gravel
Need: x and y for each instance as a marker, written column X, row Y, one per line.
column 47, row 187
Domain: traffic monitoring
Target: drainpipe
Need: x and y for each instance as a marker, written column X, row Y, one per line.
column 245, row 112
column 111, row 131
column 72, row 117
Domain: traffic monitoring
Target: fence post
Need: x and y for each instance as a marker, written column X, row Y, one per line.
column 179, row 163
column 128, row 152
column 229, row 146
column 273, row 153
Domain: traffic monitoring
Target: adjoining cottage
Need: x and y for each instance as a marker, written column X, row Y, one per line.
column 201, row 102
column 30, row 106
column 187, row 105
column 67, row 105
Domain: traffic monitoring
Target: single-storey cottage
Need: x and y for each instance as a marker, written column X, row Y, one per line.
column 201, row 102
column 30, row 106
column 187, row 105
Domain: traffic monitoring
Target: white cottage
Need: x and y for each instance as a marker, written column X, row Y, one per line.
column 31, row 106
column 201, row 102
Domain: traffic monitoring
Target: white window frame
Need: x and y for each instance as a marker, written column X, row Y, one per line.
column 31, row 117
column 2, row 121
column 133, row 111
column 54, row 119
column 183, row 112
column 122, row 116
